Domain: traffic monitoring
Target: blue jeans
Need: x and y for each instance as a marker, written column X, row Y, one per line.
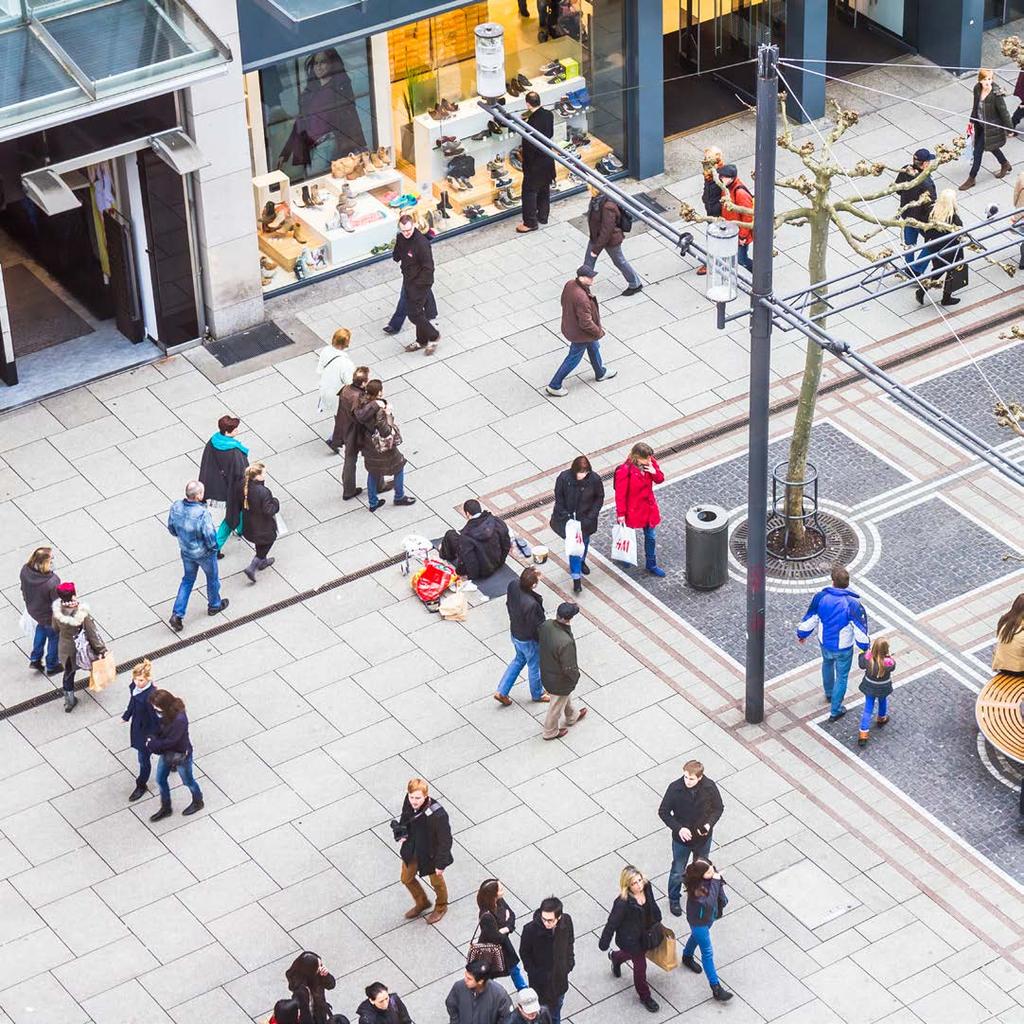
column 576, row 561
column 528, row 654
column 372, row 484
column 516, row 974
column 700, row 935
column 835, row 673
column 192, row 566
column 869, row 710
column 184, row 770
column 577, row 350
column 555, row 1009
column 681, row 853
column 45, row 636
column 650, row 555
column 145, row 766
column 743, row 256
column 397, row 320
column 910, row 237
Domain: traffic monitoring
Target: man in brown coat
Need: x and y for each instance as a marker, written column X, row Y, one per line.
column 347, row 431
column 581, row 327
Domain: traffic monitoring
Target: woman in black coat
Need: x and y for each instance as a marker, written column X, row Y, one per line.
column 579, row 494
column 382, row 1007
column 259, row 517
column 632, row 921
column 497, row 923
column 943, row 254
column 309, row 982
column 223, row 464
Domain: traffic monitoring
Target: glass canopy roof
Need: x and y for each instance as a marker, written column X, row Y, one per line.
column 59, row 54
column 300, row 10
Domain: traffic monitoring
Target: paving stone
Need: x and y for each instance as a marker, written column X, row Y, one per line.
column 252, row 936
column 61, row 876
column 105, row 968
column 834, row 984
column 809, row 894
column 42, row 1001
column 231, row 890
column 168, row 930
column 260, row 813
column 213, row 1007
column 83, row 922
column 308, row 899
column 902, row 954
column 285, row 855
column 192, row 976
column 144, row 884
column 40, row 833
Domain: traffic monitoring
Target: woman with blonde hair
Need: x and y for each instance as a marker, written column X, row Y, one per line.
column 945, row 254
column 39, row 590
column 259, row 517
column 144, row 723
column 335, row 369
column 635, row 921
column 635, row 503
column 988, row 126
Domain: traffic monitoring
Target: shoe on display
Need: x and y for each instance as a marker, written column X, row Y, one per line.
column 494, row 128
column 467, row 185
column 515, row 158
column 504, row 182
column 306, row 200
column 558, row 76
column 551, row 67
column 524, row 83
column 513, row 88
column 450, row 107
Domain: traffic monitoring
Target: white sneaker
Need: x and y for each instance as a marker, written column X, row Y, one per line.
column 608, row 374
column 556, row 392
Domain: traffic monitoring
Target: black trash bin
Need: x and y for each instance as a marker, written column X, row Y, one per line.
column 707, row 547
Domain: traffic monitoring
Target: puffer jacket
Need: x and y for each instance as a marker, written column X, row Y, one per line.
column 69, row 622
column 39, row 591
column 484, row 544
column 838, row 618
column 192, row 524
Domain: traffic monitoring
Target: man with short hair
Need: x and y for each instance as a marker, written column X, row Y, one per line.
column 191, row 523
column 547, row 949
column 348, row 432
column 837, row 617
column 480, row 548
column 559, row 670
column 425, row 833
column 581, row 327
column 478, row 1000
column 538, row 167
column 915, row 201
column 412, row 253
column 690, row 808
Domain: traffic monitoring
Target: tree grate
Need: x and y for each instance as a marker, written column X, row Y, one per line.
column 841, row 547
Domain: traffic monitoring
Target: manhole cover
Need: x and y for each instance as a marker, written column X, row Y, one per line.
column 841, row 547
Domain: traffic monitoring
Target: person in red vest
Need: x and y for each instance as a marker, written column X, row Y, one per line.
column 738, row 196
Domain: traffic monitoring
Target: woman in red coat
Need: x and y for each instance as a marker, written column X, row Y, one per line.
column 635, row 504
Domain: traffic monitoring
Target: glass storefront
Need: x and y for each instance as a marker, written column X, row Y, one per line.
column 347, row 137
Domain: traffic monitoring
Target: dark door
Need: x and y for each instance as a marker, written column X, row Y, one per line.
column 170, row 254
column 124, row 282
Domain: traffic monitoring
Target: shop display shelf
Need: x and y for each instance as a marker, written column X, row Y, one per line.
column 285, row 251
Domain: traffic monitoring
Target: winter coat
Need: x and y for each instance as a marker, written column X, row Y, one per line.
column 312, row 1000
column 484, row 544
column 429, row 843
column 173, row 737
column 712, row 196
column 603, row 221
column 692, row 808
column 991, row 117
column 1018, row 89
column 375, row 415
column 740, row 195
column 417, row 262
column 634, row 495
column 396, row 1013
column 69, row 622
column 525, row 611
column 39, row 591
column 145, row 722
column 917, row 200
column 944, row 254
column 335, row 369
column 538, row 166
column 577, row 499
column 192, row 524
column 838, row 619
column 1009, row 657
column 628, row 921
column 559, row 670
column 489, row 1005
column 581, row 317
column 548, row 955
column 704, row 910
column 347, row 426
column 258, row 523
column 876, row 686
column 490, row 931
column 224, row 461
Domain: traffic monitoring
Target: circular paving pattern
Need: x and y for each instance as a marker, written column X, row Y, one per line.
column 841, row 546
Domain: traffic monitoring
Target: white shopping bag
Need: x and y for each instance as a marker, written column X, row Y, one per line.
column 623, row 544
column 282, row 526
column 574, row 546
column 27, row 625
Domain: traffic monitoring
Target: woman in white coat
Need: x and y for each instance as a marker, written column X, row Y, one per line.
column 335, row 369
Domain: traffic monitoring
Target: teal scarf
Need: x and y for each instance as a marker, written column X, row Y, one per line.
column 223, row 443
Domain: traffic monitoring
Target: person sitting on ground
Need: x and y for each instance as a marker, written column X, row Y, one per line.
column 480, row 548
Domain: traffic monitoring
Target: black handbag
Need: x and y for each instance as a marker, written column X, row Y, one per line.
column 653, row 937
column 174, row 759
column 957, row 277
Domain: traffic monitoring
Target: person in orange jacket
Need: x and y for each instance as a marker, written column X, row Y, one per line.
column 738, row 196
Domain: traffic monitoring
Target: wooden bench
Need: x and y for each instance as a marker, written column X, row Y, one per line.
column 1000, row 714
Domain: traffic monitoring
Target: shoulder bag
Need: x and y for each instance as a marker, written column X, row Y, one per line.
column 490, row 952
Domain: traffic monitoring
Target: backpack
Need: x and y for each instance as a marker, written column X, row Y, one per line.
column 386, row 442
column 625, row 220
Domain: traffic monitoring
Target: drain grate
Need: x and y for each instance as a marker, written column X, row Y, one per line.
column 841, row 547
column 264, row 337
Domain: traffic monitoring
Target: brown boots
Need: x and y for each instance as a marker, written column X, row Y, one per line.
column 1004, row 170
column 968, row 183
column 421, row 904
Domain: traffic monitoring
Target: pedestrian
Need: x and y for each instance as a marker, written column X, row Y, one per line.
column 397, row 321
column 1018, row 92
column 690, row 808
column 838, row 620
column 538, row 166
column 286, row 1011
column 480, row 548
column 705, row 901
column 528, row 1008
column 334, row 367
column 309, row 981
column 71, row 618
column 496, row 923
column 39, row 590
column 223, row 463
column 607, row 224
column 382, row 1007
column 1008, row 657
column 380, row 443
column 1018, row 202
column 988, row 126
column 915, row 199
column 425, row 833
column 712, row 161
column 945, row 253
column 259, row 516
column 525, row 616
column 144, row 723
column 548, row 951
column 581, row 327
column 190, row 522
column 173, row 745
column 347, row 431
column 876, row 686
column 559, row 670
column 412, row 252
column 478, row 1000
column 738, row 205
column 632, row 920
column 636, row 507
column 579, row 495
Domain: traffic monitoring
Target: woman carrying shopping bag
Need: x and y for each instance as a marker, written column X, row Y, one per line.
column 705, row 901
column 635, row 921
column 636, row 507
column 579, row 495
column 78, row 638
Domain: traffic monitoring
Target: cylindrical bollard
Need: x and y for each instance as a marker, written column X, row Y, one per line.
column 707, row 547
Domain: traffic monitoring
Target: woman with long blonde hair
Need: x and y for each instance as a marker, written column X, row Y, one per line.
column 143, row 723
column 944, row 254
column 259, row 517
column 635, row 921
column 990, row 121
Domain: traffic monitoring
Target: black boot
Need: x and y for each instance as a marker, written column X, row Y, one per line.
column 616, row 968
column 164, row 812
column 721, row 994
column 70, row 700
column 140, row 790
column 196, row 805
column 306, row 200
column 919, row 295
column 577, row 586
column 250, row 570
column 688, row 961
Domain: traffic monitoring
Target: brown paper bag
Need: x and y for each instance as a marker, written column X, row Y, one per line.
column 454, row 606
column 665, row 955
column 102, row 672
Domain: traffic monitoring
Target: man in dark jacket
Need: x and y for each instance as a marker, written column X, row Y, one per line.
column 426, row 837
column 478, row 1000
column 525, row 615
column 480, row 548
column 538, row 168
column 224, row 462
column 581, row 327
column 413, row 254
column 559, row 670
column 547, row 949
column 348, row 432
column 604, row 221
column 915, row 200
column 690, row 808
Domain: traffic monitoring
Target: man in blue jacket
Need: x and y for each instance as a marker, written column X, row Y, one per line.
column 839, row 621
column 191, row 523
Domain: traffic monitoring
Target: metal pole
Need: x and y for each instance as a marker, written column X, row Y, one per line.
column 760, row 375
